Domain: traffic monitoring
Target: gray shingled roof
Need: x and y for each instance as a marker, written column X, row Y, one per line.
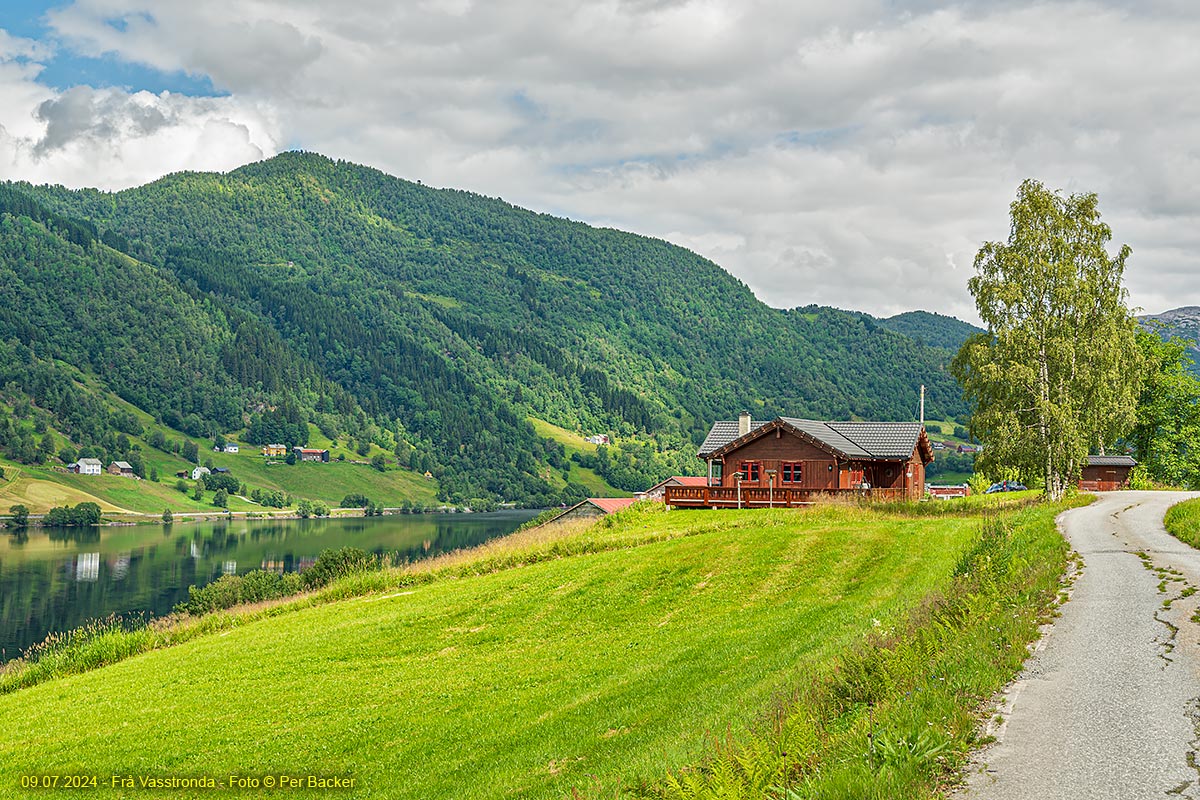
column 868, row 440
column 1111, row 461
column 723, row 432
column 831, row 437
column 122, row 465
column 882, row 439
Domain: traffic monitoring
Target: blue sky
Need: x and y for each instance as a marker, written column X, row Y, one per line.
column 853, row 153
column 67, row 68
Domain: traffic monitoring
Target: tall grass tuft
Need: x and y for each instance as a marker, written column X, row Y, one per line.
column 1183, row 522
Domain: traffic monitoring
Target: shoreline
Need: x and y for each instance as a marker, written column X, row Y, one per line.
column 124, row 520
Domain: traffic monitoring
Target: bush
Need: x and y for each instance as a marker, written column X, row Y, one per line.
column 20, row 516
column 231, row 590
column 272, row 498
column 222, row 480
column 333, row 564
column 181, row 486
column 312, row 508
column 355, row 501
column 66, row 517
column 167, row 516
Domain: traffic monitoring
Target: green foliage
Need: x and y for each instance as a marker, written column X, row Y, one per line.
column 312, row 508
column 231, row 590
column 18, row 516
column 934, row 330
column 273, row 498
column 333, row 564
column 81, row 515
column 167, row 516
column 979, row 483
column 286, row 426
column 949, row 461
column 1166, row 436
column 355, row 501
column 1058, row 371
column 221, row 480
column 220, row 498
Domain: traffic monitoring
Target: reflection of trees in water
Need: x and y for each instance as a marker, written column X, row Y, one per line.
column 86, row 534
column 18, row 536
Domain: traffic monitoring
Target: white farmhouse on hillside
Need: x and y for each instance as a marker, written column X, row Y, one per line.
column 87, row 466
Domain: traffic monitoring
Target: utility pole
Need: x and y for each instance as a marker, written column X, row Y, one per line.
column 922, row 405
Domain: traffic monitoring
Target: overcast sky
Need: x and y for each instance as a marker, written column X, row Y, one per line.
column 850, row 153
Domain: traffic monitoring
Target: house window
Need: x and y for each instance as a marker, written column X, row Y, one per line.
column 751, row 470
column 791, row 471
column 718, row 470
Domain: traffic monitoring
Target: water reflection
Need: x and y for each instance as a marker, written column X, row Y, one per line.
column 56, row 580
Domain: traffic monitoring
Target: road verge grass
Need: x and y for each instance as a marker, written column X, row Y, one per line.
column 898, row 714
column 1183, row 522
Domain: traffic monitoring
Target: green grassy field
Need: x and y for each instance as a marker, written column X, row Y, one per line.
column 591, row 659
column 950, row 478
column 575, row 443
column 40, row 487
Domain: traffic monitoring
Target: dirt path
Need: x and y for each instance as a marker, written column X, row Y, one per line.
column 1109, row 705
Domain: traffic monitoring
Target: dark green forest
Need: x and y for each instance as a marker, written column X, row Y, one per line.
column 935, row 330
column 432, row 322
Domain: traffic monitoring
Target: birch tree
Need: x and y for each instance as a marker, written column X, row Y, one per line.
column 1057, row 373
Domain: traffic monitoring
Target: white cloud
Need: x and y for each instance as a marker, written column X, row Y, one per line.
column 844, row 153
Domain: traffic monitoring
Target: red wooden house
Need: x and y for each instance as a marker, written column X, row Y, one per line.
column 789, row 461
column 1106, row 473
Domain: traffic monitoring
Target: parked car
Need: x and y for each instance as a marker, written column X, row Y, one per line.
column 1006, row 486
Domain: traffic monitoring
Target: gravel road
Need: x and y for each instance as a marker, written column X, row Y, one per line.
column 1108, row 706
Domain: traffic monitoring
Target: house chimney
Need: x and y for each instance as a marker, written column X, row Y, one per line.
column 743, row 423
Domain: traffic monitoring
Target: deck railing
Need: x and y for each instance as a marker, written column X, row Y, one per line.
column 759, row 497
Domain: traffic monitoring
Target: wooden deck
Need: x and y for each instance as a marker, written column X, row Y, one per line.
column 757, row 497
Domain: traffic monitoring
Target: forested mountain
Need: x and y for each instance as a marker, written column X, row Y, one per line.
column 434, row 322
column 935, row 330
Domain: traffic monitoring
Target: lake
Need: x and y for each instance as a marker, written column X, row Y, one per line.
column 55, row 580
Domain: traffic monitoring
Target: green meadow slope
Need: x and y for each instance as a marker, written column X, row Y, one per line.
column 585, row 658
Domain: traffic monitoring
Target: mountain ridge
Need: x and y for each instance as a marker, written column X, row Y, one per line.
column 432, row 322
